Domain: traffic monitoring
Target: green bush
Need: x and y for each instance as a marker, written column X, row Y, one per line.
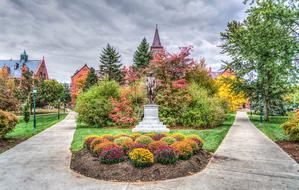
column 204, row 111
column 94, row 106
column 8, row 121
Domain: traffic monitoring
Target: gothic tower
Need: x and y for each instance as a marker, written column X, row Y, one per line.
column 156, row 46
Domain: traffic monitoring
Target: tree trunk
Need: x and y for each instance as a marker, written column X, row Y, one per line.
column 266, row 109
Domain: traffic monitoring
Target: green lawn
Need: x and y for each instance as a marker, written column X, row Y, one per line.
column 212, row 137
column 23, row 130
column 272, row 128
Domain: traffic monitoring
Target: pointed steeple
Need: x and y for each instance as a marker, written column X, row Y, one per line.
column 156, row 41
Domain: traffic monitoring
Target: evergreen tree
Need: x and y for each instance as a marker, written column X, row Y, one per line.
column 110, row 65
column 91, row 79
column 142, row 55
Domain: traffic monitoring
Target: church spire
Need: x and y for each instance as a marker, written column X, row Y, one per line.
column 156, row 41
column 156, row 46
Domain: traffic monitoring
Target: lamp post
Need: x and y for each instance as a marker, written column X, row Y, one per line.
column 58, row 114
column 34, row 111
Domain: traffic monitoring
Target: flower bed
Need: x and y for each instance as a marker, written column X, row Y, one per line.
column 140, row 157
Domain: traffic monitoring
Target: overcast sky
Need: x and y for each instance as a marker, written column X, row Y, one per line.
column 70, row 33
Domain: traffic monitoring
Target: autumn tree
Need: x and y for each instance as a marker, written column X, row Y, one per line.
column 142, row 55
column 263, row 49
column 110, row 65
column 8, row 101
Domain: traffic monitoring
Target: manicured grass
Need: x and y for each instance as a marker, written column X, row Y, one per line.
column 212, row 137
column 272, row 128
column 23, row 130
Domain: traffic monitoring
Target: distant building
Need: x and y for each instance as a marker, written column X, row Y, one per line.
column 15, row 68
column 77, row 82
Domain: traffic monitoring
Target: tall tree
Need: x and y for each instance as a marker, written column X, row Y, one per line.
column 91, row 79
column 263, row 49
column 110, row 65
column 142, row 55
column 8, row 101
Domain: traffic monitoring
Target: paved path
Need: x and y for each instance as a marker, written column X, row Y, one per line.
column 245, row 160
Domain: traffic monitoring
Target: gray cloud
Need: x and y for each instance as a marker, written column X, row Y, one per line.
column 70, row 33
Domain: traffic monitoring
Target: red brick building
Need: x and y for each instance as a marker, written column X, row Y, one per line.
column 77, row 82
column 15, row 68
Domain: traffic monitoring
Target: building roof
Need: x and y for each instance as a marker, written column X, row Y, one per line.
column 156, row 41
column 15, row 66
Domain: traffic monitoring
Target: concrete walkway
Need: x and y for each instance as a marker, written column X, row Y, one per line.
column 245, row 160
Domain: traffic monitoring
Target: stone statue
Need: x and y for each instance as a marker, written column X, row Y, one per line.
column 151, row 122
column 151, row 86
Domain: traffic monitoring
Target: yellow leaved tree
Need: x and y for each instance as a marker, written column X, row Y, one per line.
column 225, row 92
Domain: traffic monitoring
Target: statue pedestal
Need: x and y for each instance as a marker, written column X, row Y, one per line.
column 150, row 121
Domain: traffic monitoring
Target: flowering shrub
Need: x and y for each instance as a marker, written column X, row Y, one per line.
column 168, row 140
column 99, row 147
column 141, row 157
column 193, row 144
column 199, row 141
column 166, row 155
column 153, row 146
column 96, row 141
column 144, row 139
column 127, row 146
column 158, row 136
column 291, row 126
column 150, row 134
column 119, row 141
column 111, row 155
column 137, row 145
column 88, row 140
column 108, row 137
column 122, row 113
column 178, row 136
column 121, row 135
column 184, row 150
column 134, row 136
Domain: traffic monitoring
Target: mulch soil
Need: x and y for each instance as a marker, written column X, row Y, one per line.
column 291, row 147
column 6, row 144
column 84, row 163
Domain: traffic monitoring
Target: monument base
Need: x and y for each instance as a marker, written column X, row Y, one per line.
column 150, row 121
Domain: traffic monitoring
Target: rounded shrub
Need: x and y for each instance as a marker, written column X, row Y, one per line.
column 199, row 141
column 108, row 137
column 166, row 155
column 135, row 135
column 193, row 144
column 127, row 146
column 158, row 136
column 120, row 140
column 99, row 147
column 153, row 146
column 88, row 140
column 112, row 155
column 8, row 121
column 150, row 134
column 96, row 141
column 178, row 136
column 143, row 139
column 121, row 135
column 141, row 157
column 168, row 140
column 137, row 145
column 184, row 150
